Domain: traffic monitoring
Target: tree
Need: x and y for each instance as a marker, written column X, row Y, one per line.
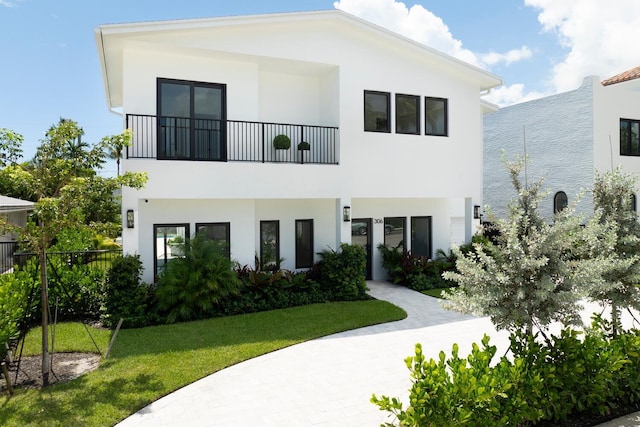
column 116, row 144
column 620, row 275
column 60, row 177
column 528, row 278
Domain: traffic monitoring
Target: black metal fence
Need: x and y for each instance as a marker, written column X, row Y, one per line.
column 11, row 260
column 179, row 138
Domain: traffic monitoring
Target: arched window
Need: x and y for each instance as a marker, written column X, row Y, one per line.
column 560, row 201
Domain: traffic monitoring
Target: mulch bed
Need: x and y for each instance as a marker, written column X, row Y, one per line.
column 65, row 367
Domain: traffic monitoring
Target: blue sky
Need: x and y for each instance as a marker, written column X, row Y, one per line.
column 50, row 67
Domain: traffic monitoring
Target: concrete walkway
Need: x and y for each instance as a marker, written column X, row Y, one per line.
column 328, row 381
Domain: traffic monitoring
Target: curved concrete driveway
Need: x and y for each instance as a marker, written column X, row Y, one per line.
column 324, row 382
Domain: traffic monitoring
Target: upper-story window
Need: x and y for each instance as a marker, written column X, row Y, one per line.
column 560, row 201
column 629, row 137
column 408, row 114
column 191, row 120
column 377, row 111
column 436, row 120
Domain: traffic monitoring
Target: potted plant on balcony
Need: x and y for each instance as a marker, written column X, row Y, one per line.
column 302, row 147
column 281, row 143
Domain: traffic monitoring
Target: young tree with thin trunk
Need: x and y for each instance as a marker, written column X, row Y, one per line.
column 61, row 178
column 620, row 276
column 527, row 279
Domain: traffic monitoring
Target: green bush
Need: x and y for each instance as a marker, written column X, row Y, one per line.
column 341, row 274
column 126, row 296
column 551, row 380
column 471, row 391
column 281, row 142
column 413, row 271
column 14, row 305
column 190, row 287
column 75, row 289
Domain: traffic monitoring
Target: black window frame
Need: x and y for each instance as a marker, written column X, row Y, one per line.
column 387, row 232
column 429, row 242
column 633, row 202
column 304, row 259
column 227, row 232
column 191, row 120
column 626, row 141
column 187, row 234
column 416, row 99
column 264, row 265
column 445, row 102
column 558, row 201
column 379, row 129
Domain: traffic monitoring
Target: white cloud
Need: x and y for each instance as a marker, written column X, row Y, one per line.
column 6, row 3
column 416, row 23
column 512, row 94
column 600, row 36
column 514, row 55
column 423, row 26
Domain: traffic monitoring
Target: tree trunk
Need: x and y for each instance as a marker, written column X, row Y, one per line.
column 45, row 317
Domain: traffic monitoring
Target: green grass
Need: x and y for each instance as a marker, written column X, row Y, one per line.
column 437, row 293
column 148, row 363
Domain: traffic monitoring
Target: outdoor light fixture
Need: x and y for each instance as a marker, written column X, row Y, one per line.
column 130, row 222
column 346, row 213
column 476, row 211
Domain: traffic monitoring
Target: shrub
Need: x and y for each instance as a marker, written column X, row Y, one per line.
column 471, row 391
column 190, row 287
column 125, row 296
column 416, row 272
column 342, row 274
column 75, row 288
column 14, row 305
column 281, row 142
column 551, row 380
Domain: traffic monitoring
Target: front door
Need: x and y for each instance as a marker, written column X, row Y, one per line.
column 361, row 234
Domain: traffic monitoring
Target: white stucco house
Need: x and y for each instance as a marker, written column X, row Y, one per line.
column 16, row 212
column 569, row 137
column 394, row 133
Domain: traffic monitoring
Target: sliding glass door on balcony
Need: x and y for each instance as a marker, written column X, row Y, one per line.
column 191, row 120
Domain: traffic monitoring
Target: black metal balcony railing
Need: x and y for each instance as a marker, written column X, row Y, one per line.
column 179, row 138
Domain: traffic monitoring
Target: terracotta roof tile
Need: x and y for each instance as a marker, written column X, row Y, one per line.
column 631, row 74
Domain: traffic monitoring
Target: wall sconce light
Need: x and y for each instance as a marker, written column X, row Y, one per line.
column 346, row 213
column 130, row 222
column 476, row 212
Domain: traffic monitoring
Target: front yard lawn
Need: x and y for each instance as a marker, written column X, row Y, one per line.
column 148, row 363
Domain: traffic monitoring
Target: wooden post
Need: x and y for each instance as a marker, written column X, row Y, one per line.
column 113, row 338
column 5, row 373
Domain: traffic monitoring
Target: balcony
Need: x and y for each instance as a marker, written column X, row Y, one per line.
column 179, row 138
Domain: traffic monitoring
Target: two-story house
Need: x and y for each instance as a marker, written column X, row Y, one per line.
column 568, row 138
column 392, row 134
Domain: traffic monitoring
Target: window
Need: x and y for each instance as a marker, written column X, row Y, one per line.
column 168, row 244
column 304, row 243
column 377, row 111
column 560, row 201
column 408, row 114
column 269, row 245
column 394, row 232
column 421, row 236
column 191, row 120
column 633, row 202
column 435, row 116
column 218, row 231
column 629, row 137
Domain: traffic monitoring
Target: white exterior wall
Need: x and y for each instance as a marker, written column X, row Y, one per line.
column 314, row 73
column 613, row 102
column 559, row 144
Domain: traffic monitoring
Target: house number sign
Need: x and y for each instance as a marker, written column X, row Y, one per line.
column 378, row 221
